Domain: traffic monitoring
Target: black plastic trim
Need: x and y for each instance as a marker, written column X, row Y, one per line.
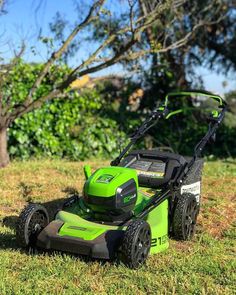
column 115, row 203
column 104, row 246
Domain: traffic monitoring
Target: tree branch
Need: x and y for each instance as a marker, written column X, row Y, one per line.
column 29, row 102
column 148, row 21
column 4, row 71
column 57, row 54
column 121, row 55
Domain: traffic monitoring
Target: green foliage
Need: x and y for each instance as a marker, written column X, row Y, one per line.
column 88, row 124
column 18, row 82
column 73, row 127
column 65, row 128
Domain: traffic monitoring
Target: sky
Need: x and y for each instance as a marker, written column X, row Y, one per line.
column 24, row 18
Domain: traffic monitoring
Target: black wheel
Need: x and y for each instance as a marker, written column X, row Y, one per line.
column 32, row 220
column 185, row 217
column 136, row 244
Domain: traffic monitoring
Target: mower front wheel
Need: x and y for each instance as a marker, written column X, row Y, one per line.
column 32, row 220
column 136, row 244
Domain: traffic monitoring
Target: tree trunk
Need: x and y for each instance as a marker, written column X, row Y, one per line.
column 4, row 157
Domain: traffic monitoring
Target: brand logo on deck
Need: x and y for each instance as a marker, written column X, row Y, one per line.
column 105, row 178
column 127, row 199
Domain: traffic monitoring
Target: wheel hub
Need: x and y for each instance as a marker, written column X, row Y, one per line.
column 140, row 245
column 191, row 214
column 37, row 227
column 36, row 224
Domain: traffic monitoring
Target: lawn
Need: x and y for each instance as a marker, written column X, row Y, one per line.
column 206, row 265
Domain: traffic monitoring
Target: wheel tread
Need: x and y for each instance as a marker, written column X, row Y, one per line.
column 23, row 217
column 177, row 225
column 129, row 236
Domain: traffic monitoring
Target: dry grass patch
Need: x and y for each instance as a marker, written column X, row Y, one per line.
column 202, row 266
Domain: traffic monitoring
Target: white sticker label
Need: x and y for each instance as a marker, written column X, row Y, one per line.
column 193, row 188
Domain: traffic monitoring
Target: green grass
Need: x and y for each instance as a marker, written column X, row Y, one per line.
column 203, row 266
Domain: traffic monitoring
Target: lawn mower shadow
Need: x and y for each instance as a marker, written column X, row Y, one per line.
column 51, row 206
column 55, row 205
column 8, row 239
column 10, row 222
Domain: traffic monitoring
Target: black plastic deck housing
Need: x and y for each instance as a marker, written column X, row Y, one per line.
column 168, row 163
column 104, row 246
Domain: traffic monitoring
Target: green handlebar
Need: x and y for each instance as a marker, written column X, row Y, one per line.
column 202, row 93
column 215, row 113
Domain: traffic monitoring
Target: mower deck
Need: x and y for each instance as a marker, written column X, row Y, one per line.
column 103, row 246
column 71, row 233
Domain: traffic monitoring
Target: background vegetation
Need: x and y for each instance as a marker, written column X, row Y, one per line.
column 72, row 127
column 157, row 45
column 96, row 122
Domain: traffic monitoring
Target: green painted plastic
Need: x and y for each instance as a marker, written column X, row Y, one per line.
column 158, row 220
column 104, row 182
column 76, row 226
column 213, row 96
column 215, row 113
column 87, row 171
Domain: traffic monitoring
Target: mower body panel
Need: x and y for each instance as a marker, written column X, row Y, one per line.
column 111, row 189
column 70, row 232
column 158, row 221
column 105, row 181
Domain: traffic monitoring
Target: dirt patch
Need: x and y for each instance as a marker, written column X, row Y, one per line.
column 185, row 246
column 218, row 205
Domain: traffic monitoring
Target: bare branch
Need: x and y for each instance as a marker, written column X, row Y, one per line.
column 5, row 70
column 123, row 54
column 147, row 21
column 2, row 4
column 30, row 104
column 131, row 15
column 56, row 55
column 120, row 55
column 29, row 101
column 21, row 110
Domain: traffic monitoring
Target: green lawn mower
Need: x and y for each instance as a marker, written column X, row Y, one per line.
column 129, row 209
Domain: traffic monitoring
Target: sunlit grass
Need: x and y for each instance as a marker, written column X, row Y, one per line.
column 203, row 266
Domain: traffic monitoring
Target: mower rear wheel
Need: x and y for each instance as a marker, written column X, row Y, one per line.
column 32, row 220
column 136, row 244
column 185, row 217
